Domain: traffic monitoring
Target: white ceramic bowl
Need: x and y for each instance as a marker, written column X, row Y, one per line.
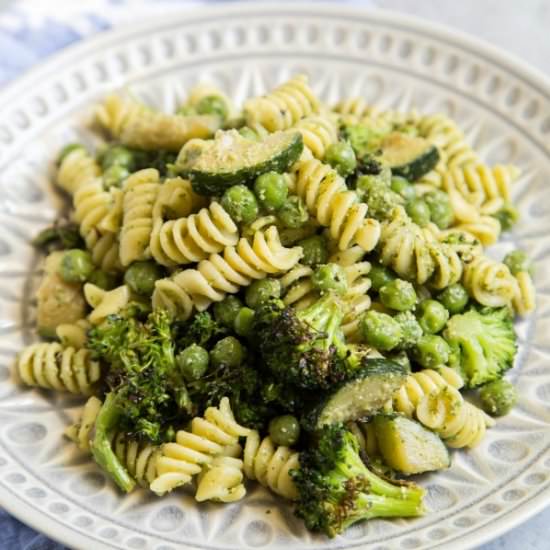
column 391, row 60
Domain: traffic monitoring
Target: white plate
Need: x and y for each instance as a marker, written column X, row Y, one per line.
column 389, row 59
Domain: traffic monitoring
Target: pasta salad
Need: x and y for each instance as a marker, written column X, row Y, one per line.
column 288, row 292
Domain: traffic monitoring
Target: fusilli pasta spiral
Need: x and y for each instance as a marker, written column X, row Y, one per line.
column 525, row 299
column 105, row 302
column 140, row 193
column 220, row 275
column 444, row 133
column 221, row 480
column 139, row 458
column 282, row 107
column 319, row 133
column 192, row 239
column 433, row 398
column 76, row 169
column 73, row 334
column 490, row 282
column 334, row 206
column 415, row 254
column 366, row 437
column 270, row 465
column 51, row 366
column 137, row 125
column 176, row 199
column 209, row 436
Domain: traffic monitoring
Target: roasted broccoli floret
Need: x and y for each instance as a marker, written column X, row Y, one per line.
column 336, row 489
column 305, row 348
column 483, row 343
column 143, row 373
column 202, row 330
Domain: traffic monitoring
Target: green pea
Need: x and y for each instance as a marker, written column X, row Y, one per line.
column 271, row 190
column 454, row 298
column 441, row 212
column 114, row 176
column 193, row 362
column 76, row 266
column 244, row 321
column 379, row 276
column 117, row 155
column 432, row 316
column 261, row 291
column 410, row 329
column 507, row 216
column 380, row 330
column 398, row 294
column 69, row 149
column 402, row 187
column 341, row 157
column 330, row 277
column 212, row 105
column 498, row 397
column 314, row 250
column 518, row 261
column 293, row 213
column 249, row 133
column 240, row 203
column 227, row 352
column 226, row 310
column 418, row 211
column 432, row 351
column 284, row 430
column 141, row 277
column 102, row 279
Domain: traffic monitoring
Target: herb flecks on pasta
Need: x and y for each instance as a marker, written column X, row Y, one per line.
column 280, row 292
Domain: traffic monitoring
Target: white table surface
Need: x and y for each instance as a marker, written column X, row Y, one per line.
column 522, row 28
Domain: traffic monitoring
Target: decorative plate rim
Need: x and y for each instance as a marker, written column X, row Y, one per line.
column 478, row 47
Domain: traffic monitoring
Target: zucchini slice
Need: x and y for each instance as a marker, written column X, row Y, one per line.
column 228, row 159
column 364, row 394
column 408, row 447
column 408, row 156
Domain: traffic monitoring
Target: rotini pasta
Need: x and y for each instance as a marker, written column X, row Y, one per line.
column 203, row 91
column 328, row 200
column 77, row 169
column 270, row 465
column 209, row 436
column 137, row 125
column 221, row 480
column 415, row 254
column 490, row 282
column 51, row 366
column 524, row 301
column 176, row 199
column 319, row 133
column 105, row 302
column 140, row 193
column 444, row 133
column 139, row 458
column 192, row 239
column 366, row 437
column 221, row 275
column 433, row 398
column 283, row 107
column 73, row 334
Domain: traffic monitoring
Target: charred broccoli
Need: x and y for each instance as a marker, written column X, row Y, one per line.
column 305, row 348
column 483, row 343
column 336, row 489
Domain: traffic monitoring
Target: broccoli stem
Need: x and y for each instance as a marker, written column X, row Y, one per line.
column 370, row 506
column 325, row 316
column 106, row 423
